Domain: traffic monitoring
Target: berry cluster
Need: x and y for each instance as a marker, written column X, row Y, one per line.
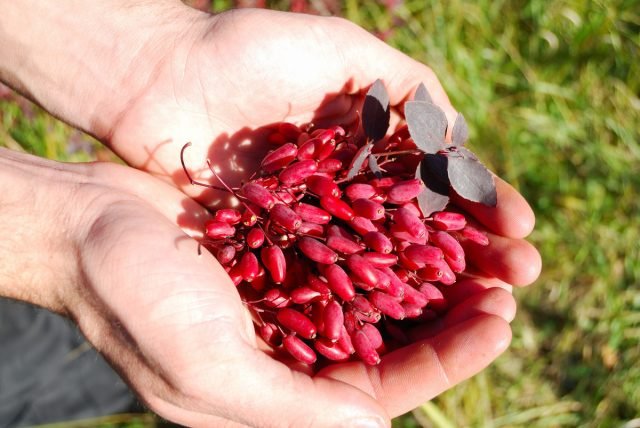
column 328, row 265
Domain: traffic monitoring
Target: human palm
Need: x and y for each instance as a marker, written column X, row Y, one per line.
column 225, row 78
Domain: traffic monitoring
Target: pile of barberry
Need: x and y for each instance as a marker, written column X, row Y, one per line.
column 332, row 244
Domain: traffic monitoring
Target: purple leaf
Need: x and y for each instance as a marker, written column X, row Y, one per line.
column 460, row 133
column 374, row 167
column 433, row 173
column 422, row 94
column 471, row 180
column 427, row 125
column 358, row 160
column 375, row 111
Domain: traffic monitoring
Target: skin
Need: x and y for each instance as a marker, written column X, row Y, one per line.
column 110, row 247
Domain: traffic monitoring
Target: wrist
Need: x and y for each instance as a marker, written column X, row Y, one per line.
column 84, row 61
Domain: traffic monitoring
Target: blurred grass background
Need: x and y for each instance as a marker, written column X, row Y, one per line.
column 551, row 92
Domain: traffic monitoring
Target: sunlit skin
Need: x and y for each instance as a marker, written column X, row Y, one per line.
column 169, row 319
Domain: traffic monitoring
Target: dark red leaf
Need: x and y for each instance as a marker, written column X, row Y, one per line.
column 460, row 133
column 375, row 111
column 427, row 125
column 471, row 180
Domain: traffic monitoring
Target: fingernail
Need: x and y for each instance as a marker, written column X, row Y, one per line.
column 373, row 422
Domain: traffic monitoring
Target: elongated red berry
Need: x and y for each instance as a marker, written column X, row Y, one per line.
column 297, row 322
column 345, row 342
column 280, row 157
column 297, row 172
column 218, row 229
column 276, row 298
column 368, row 209
column 319, row 285
column 324, row 135
column 445, row 220
column 304, row 295
column 325, row 150
column 409, row 222
column 248, row 266
column 323, row 186
column 448, row 244
column 344, row 245
column 404, row 191
column 379, row 260
column 249, row 218
column 275, row 262
column 285, row 217
column 360, row 191
column 364, row 348
column 456, row 265
column 361, row 304
column 258, row 195
column 330, row 350
column 441, row 270
column 433, row 295
column 373, row 334
column 411, row 310
column 337, row 207
column 255, row 237
column 329, row 165
column 396, row 285
column 386, row 304
column 298, row 349
column 333, row 320
column 474, row 235
column 226, row 254
column 339, row 282
column 270, row 333
column 424, row 254
column 311, row 229
column 362, row 225
column 362, row 270
column 317, row 251
column 312, row 213
column 415, row 297
column 384, row 182
column 378, row 242
column 402, row 236
column 228, row 215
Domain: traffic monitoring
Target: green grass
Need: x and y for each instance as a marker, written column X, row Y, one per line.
column 550, row 90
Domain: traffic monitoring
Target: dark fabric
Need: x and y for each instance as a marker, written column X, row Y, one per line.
column 49, row 373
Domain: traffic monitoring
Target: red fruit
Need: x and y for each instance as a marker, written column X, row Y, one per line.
column 260, row 280
column 276, row 139
column 317, row 251
column 285, row 217
column 226, row 254
column 218, row 229
column 339, row 282
column 474, row 235
column 362, row 225
column 304, row 295
column 235, row 275
column 423, row 254
column 249, row 218
column 413, row 207
column 329, row 165
column 255, row 237
column 276, row 298
column 448, row 221
column 258, row 195
column 368, row 209
column 318, row 285
column 312, row 214
column 386, row 304
column 433, row 295
column 325, row 150
column 323, row 186
column 298, row 172
column 378, row 242
column 402, row 236
column 379, row 260
column 324, row 135
column 360, row 191
column 312, row 229
column 411, row 310
column 337, row 207
column 414, row 297
column 296, row 322
column 345, row 342
column 449, row 245
column 270, row 333
column 407, row 262
column 362, row 305
column 363, row 270
column 440, row 270
column 396, row 285
column 383, row 183
column 299, row 350
column 343, row 245
column 308, row 149
column 228, row 215
column 456, row 265
column 409, row 222
column 279, row 158
column 373, row 334
column 275, row 262
column 333, row 320
column 364, row 349
column 248, row 266
column 330, row 350
column 289, row 130
column 404, row 191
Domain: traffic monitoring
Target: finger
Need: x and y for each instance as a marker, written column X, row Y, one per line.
column 514, row 261
column 416, row 373
column 511, row 217
column 468, row 287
